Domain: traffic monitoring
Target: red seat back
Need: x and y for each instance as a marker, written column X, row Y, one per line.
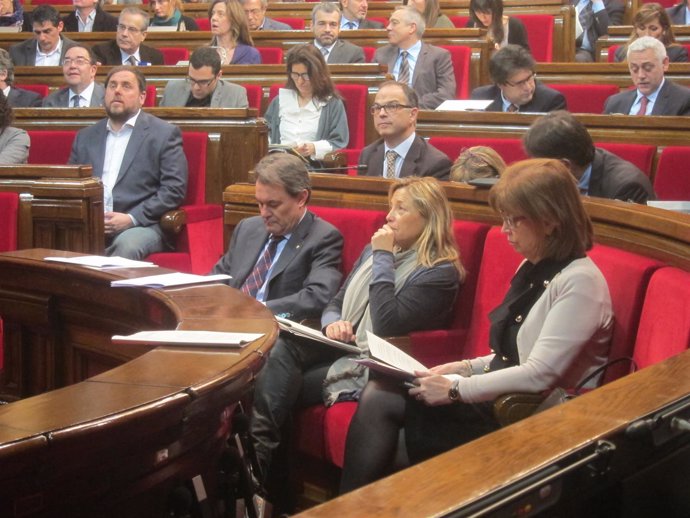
column 611, row 57
column 194, row 145
column 50, row 147
column 151, row 96
column 171, row 55
column 539, row 28
column 42, row 90
column 296, row 23
column 369, row 53
column 9, row 208
column 460, row 57
column 255, row 93
column 510, row 149
column 271, row 55
column 672, row 178
column 585, row 98
column 640, row 155
column 355, row 100
column 204, row 24
column 460, row 22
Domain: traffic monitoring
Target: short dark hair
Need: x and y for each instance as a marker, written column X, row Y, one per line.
column 508, row 60
column 141, row 79
column 92, row 57
column 285, row 170
column 410, row 94
column 45, row 13
column 206, row 57
column 559, row 135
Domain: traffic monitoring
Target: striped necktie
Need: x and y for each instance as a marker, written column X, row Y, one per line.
column 256, row 279
column 404, row 71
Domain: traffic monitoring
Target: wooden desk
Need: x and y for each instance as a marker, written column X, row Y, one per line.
column 620, row 34
column 602, row 73
column 107, row 430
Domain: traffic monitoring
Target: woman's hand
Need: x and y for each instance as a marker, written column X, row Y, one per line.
column 432, row 389
column 383, row 239
column 306, row 149
column 462, row 368
column 341, row 330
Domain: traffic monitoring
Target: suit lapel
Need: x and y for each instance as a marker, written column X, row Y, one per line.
column 409, row 166
column 139, row 135
column 377, row 160
column 293, row 246
column 661, row 100
column 252, row 248
column 420, row 65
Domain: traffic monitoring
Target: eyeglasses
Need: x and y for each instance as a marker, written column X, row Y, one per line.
column 524, row 82
column 199, row 82
column 80, row 62
column 303, row 76
column 388, row 108
column 127, row 28
column 511, row 222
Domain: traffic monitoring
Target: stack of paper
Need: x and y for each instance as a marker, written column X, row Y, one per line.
column 189, row 338
column 388, row 359
column 101, row 262
column 169, row 279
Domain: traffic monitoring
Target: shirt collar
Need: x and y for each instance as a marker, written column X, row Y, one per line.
column 130, row 123
column 652, row 97
column 86, row 94
column 403, row 148
column 57, row 49
column 319, row 46
column 583, row 184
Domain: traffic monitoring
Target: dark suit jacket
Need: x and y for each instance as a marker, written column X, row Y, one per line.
column 370, row 24
column 517, row 34
column 673, row 99
column 677, row 13
column 60, row 98
column 153, row 174
column 615, row 178
column 102, row 22
column 24, row 53
column 612, row 14
column 422, row 159
column 346, row 52
column 433, row 78
column 108, row 53
column 307, row 273
column 545, row 99
column 20, row 98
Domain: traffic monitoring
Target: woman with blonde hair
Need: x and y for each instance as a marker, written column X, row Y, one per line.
column 536, row 342
column 477, row 162
column 653, row 20
column 231, row 33
column 431, row 11
column 168, row 13
column 406, row 279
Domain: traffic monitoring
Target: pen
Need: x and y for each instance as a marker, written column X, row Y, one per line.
column 409, row 385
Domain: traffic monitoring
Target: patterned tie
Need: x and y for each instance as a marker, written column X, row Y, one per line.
column 643, row 106
column 586, row 17
column 512, row 108
column 325, row 53
column 391, row 156
column 351, row 25
column 76, row 101
column 404, row 72
column 257, row 278
column 132, row 61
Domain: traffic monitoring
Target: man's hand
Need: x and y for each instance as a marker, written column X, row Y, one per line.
column 116, row 222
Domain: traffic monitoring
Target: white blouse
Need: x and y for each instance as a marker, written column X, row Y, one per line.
column 299, row 124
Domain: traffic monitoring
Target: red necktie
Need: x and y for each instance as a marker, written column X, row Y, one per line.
column 643, row 106
column 257, row 278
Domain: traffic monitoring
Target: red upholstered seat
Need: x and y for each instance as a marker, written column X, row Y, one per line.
column 627, row 276
column 151, row 97
column 171, row 55
column 510, row 149
column 271, row 55
column 664, row 328
column 460, row 57
column 9, row 209
column 50, row 147
column 379, row 19
column 42, row 90
column 640, row 155
column 539, row 28
column 255, row 93
column 460, row 22
column 204, row 24
column 369, row 53
column 672, row 178
column 585, row 98
column 296, row 23
column 200, row 242
column 612, row 53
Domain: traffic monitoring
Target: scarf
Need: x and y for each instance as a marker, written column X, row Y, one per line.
column 173, row 21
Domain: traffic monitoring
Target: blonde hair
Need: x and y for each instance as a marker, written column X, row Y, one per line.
column 477, row 162
column 437, row 243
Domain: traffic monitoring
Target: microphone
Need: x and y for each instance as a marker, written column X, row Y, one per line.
column 359, row 167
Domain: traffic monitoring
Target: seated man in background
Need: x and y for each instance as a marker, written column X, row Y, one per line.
column 325, row 23
column 257, row 19
column 598, row 173
column 16, row 97
column 594, row 18
column 679, row 13
column 127, row 48
column 427, row 69
column 513, row 72
column 48, row 46
column 653, row 93
column 79, row 69
column 204, row 86
column 286, row 257
column 140, row 161
column 400, row 151
column 355, row 15
column 89, row 17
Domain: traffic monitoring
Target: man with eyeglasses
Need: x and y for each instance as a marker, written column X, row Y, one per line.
column 16, row 97
column 79, row 69
column 325, row 23
column 204, row 87
column 400, row 151
column 257, row 19
column 89, row 17
column 47, row 48
column 128, row 47
column 516, row 89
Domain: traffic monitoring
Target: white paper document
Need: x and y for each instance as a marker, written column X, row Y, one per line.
column 102, row 262
column 387, row 358
column 463, row 105
column 189, row 338
column 167, row 280
column 314, row 334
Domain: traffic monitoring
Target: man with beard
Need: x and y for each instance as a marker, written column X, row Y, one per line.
column 515, row 88
column 325, row 23
column 139, row 159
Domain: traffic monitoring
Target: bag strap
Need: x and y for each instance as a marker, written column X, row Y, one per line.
column 602, row 369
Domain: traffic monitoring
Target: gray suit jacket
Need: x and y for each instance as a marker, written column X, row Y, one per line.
column 274, row 25
column 346, row 52
column 14, row 146
column 673, row 99
column 617, row 179
column 226, row 95
column 307, row 273
column 20, row 98
column 433, row 78
column 422, row 159
column 60, row 98
column 370, row 24
column 677, row 13
column 545, row 99
column 153, row 174
column 24, row 53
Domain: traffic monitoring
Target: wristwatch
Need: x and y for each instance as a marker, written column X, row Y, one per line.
column 453, row 392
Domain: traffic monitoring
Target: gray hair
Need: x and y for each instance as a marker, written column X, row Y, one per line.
column 284, row 170
column 7, row 65
column 647, row 42
column 325, row 7
column 264, row 3
column 136, row 11
column 411, row 15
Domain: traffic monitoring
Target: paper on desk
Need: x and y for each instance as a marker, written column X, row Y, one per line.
column 189, row 338
column 298, row 329
column 102, row 262
column 463, row 105
column 167, row 280
column 389, row 354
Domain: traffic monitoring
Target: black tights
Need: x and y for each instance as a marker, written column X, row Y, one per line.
column 372, row 440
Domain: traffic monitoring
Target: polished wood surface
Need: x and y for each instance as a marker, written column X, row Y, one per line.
column 602, row 73
column 105, row 430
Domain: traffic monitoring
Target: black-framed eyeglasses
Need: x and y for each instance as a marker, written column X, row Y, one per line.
column 304, row 76
column 525, row 81
column 199, row 82
column 388, row 108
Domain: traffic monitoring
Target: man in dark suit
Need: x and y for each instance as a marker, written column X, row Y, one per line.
column 427, row 69
column 140, row 161
column 594, row 18
column 325, row 23
column 355, row 15
column 16, row 97
column 599, row 173
column 513, row 72
column 82, row 90
column 679, row 13
column 89, row 17
column 400, row 152
column 128, row 47
column 257, row 19
column 653, row 93
column 48, row 46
